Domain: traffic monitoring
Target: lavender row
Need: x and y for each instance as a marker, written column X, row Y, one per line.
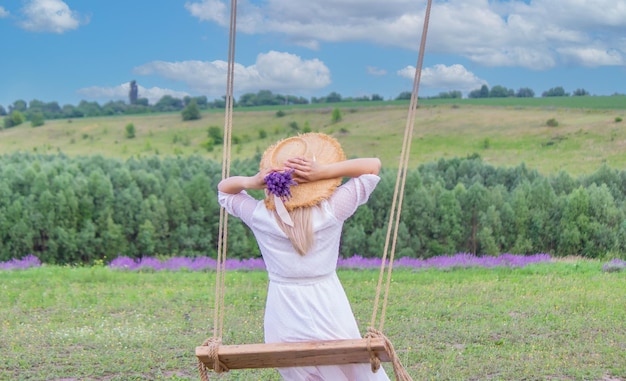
column 21, row 264
column 355, row 262
column 461, row 260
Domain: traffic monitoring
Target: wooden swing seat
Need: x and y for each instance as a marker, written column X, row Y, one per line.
column 284, row 355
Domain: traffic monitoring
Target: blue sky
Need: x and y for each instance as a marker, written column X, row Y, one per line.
column 70, row 50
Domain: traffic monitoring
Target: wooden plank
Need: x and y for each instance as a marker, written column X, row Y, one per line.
column 284, row 355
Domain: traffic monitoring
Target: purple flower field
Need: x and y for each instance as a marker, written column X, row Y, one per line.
column 446, row 262
column 461, row 260
column 20, row 264
column 615, row 265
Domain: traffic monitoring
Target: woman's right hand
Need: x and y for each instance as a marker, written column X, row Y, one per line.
column 304, row 170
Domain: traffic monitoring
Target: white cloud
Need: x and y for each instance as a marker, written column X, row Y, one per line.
column 276, row 71
column 120, row 92
column 210, row 10
column 248, row 16
column 537, row 35
column 588, row 56
column 376, row 71
column 445, row 78
column 49, row 16
column 3, row 12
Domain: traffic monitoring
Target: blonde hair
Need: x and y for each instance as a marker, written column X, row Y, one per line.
column 301, row 233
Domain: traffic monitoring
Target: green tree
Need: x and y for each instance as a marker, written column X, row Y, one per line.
column 19, row 105
column 405, row 95
column 473, row 202
column 448, row 221
column 168, row 103
column 544, row 215
column 266, row 98
column 355, row 242
column 500, row 92
column 490, row 236
column 525, row 92
column 146, row 239
column 153, row 209
column 483, row 92
column 177, row 203
column 15, row 118
column 37, row 120
column 89, row 109
column 69, row 111
column 555, row 92
column 19, row 234
column 333, row 97
column 114, row 108
column 574, row 224
column 191, row 111
column 580, row 93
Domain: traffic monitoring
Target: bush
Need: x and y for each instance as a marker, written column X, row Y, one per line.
column 336, row 116
column 618, row 119
column 13, row 119
column 37, row 120
column 216, row 135
column 280, row 113
column 208, row 145
column 552, row 122
column 130, row 131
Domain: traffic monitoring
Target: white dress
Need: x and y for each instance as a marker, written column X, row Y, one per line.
column 305, row 299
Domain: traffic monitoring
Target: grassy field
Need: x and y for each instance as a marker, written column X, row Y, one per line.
column 503, row 133
column 557, row 321
column 551, row 321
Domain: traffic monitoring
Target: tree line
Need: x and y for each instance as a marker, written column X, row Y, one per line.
column 37, row 111
column 499, row 91
column 79, row 210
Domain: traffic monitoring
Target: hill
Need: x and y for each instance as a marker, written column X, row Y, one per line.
column 503, row 134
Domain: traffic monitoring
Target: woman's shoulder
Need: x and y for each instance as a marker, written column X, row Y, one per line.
column 369, row 181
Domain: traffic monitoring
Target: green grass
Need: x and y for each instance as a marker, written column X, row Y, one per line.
column 558, row 321
column 615, row 102
column 584, row 139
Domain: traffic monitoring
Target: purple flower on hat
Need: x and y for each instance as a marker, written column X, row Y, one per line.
column 279, row 184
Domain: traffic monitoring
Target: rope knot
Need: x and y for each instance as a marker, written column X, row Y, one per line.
column 374, row 360
column 401, row 373
column 218, row 367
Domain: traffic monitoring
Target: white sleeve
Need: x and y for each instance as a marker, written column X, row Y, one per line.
column 349, row 196
column 240, row 205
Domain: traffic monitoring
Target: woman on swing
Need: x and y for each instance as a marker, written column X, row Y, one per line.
column 298, row 229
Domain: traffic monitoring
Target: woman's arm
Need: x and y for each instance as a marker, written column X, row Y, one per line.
column 306, row 170
column 236, row 184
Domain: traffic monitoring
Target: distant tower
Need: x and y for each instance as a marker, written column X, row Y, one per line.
column 132, row 95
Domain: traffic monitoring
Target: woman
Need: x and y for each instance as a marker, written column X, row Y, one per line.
column 298, row 229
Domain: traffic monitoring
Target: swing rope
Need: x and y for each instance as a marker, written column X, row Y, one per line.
column 222, row 242
column 214, row 343
column 394, row 215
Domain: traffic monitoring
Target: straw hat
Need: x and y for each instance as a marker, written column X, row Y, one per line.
column 314, row 146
